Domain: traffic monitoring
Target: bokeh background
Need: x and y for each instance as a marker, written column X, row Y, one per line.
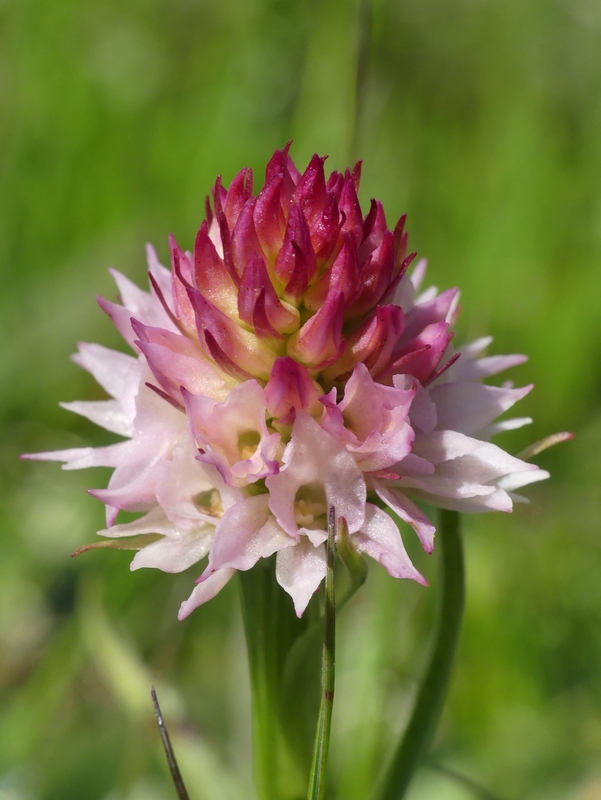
column 479, row 118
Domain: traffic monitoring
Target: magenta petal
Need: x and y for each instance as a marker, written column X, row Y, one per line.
column 255, row 285
column 343, row 275
column 376, row 275
column 371, row 344
column 223, row 339
column 289, row 389
column 311, row 190
column 238, row 194
column 281, row 161
column 268, row 216
column 211, row 277
column 349, row 205
column 421, row 355
column 428, row 313
column 295, row 263
column 319, row 342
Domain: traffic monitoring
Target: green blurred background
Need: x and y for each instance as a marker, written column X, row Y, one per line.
column 482, row 120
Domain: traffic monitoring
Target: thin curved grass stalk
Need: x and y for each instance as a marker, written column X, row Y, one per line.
column 481, row 792
column 178, row 781
column 414, row 745
column 364, row 28
column 322, row 734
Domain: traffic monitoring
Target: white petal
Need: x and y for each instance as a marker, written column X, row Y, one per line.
column 205, row 591
column 83, row 457
column 116, row 372
column 441, row 446
column 483, row 367
column 469, row 407
column 504, row 425
column 300, row 570
column 518, row 479
column 175, row 553
column 498, row 500
column 108, row 414
column 159, row 272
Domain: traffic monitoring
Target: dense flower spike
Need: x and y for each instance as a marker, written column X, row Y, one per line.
column 286, row 365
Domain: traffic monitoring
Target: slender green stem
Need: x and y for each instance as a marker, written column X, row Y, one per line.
column 430, row 700
column 322, row 734
column 178, row 781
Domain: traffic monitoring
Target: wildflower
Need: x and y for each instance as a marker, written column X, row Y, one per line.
column 288, row 364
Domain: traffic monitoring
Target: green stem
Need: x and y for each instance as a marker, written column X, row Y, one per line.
column 429, row 704
column 258, row 624
column 322, row 736
column 271, row 627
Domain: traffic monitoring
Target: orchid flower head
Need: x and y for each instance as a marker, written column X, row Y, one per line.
column 288, row 363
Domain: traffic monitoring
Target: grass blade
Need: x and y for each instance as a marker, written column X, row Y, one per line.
column 171, row 760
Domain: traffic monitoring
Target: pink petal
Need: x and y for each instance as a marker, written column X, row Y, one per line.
column 409, row 513
column 319, row 342
column 427, row 313
column 218, row 428
column 246, row 533
column 290, row 388
column 380, row 539
column 176, row 361
column 313, row 457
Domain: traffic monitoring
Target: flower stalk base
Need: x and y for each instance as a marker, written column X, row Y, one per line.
column 271, row 628
column 420, row 731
